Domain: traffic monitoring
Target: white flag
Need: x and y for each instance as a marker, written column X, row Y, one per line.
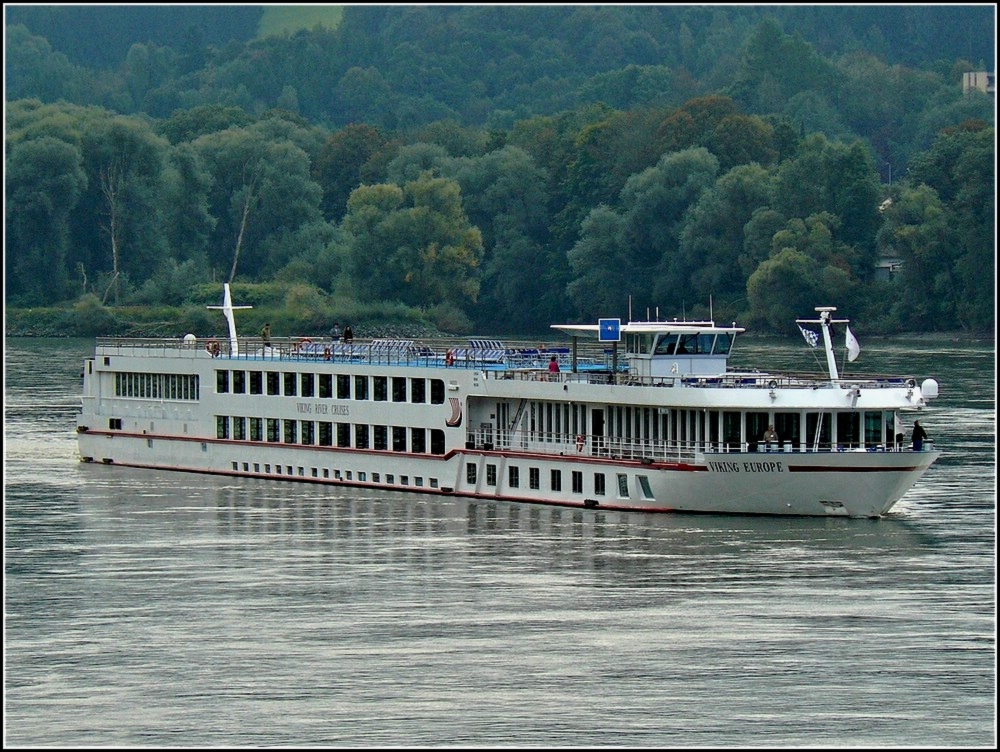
column 853, row 348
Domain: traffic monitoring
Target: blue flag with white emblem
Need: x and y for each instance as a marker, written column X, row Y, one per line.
column 609, row 330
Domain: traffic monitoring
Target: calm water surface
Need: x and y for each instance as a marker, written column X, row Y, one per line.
column 168, row 609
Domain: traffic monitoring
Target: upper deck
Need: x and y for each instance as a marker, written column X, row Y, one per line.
column 586, row 361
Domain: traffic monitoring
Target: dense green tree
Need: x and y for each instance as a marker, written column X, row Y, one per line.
column 44, row 179
column 414, row 244
column 339, row 164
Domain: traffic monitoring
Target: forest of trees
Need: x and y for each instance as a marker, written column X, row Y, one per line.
column 504, row 168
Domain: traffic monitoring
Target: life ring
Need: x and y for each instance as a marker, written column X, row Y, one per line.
column 580, row 441
column 302, row 343
column 212, row 348
column 327, row 353
column 772, row 384
column 449, row 358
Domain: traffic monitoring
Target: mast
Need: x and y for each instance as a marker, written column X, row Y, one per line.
column 825, row 321
column 227, row 308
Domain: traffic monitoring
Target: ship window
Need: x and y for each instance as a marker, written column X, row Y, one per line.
column 302, row 472
column 291, row 432
column 256, row 467
column 666, row 344
column 380, row 437
column 256, row 429
column 360, row 387
column 308, row 432
column 647, row 492
column 273, row 380
column 398, row 439
column 222, row 426
column 325, row 385
column 272, row 429
column 622, row 486
column 115, row 424
column 256, row 382
column 787, row 426
column 599, row 488
column 221, row 382
column 390, row 478
column 343, row 386
column 705, row 340
column 404, row 480
column 848, row 429
column 288, row 469
column 491, row 475
column 246, row 467
column 315, row 472
column 873, row 428
column 308, row 384
column 277, row 469
column 470, row 472
column 418, row 480
column 688, row 344
column 326, row 472
column 437, row 392
column 398, row 389
column 376, row 478
column 513, row 477
column 380, row 390
column 239, row 428
column 239, row 382
column 534, row 478
column 325, row 433
column 418, row 391
column 577, row 481
column 757, row 424
column 362, row 476
column 290, row 384
column 418, row 440
column 361, row 436
column 434, row 482
column 437, row 441
column 556, row 479
column 267, row 468
column 820, row 439
column 638, row 343
column 343, row 434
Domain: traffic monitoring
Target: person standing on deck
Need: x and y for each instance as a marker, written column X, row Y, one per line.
column 335, row 332
column 265, row 334
column 553, row 368
column 919, row 436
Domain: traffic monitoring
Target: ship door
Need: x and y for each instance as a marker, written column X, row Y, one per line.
column 485, row 437
column 597, row 430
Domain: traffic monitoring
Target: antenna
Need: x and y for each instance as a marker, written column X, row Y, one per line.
column 629, row 307
column 711, row 313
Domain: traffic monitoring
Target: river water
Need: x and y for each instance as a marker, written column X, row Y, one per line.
column 145, row 608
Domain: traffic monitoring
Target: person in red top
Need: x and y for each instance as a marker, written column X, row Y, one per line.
column 553, row 365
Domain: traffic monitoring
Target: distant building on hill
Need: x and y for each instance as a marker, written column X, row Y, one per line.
column 981, row 80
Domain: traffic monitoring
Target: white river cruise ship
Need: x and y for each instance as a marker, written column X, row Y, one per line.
column 643, row 416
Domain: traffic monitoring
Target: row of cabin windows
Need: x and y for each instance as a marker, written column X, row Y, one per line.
column 329, row 434
column 680, row 343
column 556, row 480
column 315, row 472
column 331, row 386
column 167, row 386
column 869, row 427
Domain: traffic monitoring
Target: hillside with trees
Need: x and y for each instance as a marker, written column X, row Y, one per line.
column 502, row 168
